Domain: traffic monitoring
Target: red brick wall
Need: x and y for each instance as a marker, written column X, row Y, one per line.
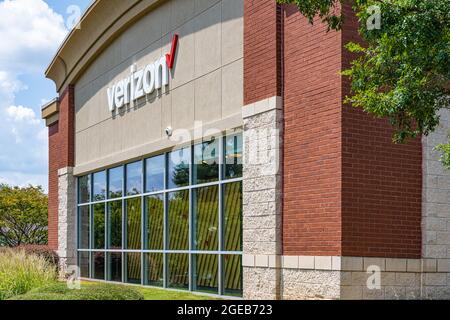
column 61, row 155
column 312, row 152
column 262, row 55
column 348, row 190
column 382, row 181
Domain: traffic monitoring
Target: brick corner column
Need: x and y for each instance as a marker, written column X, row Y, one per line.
column 263, row 123
column 59, row 117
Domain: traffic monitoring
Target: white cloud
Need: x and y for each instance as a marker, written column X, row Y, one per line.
column 28, row 28
column 30, row 32
column 23, row 179
column 22, row 114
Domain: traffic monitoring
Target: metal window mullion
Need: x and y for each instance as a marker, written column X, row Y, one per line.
column 143, row 176
column 165, row 224
column 91, row 229
column 190, row 220
column 202, row 185
column 168, row 251
column 221, row 213
column 124, row 255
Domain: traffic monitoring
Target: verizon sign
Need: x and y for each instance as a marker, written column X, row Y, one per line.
column 141, row 82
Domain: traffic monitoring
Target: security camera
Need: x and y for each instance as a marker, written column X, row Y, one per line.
column 169, row 131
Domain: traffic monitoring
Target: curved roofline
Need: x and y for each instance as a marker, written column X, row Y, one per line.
column 102, row 22
column 67, row 37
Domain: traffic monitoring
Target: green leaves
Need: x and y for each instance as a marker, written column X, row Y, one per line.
column 403, row 72
column 23, row 215
column 325, row 9
column 445, row 150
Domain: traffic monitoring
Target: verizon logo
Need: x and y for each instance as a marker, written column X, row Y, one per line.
column 141, row 82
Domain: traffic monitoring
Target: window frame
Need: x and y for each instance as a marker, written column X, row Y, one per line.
column 165, row 251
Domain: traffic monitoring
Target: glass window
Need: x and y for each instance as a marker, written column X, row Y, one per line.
column 133, row 223
column 233, row 216
column 133, row 268
column 115, row 266
column 155, row 275
column 83, row 227
column 178, row 168
column 134, row 178
column 99, row 184
column 206, row 218
column 206, row 268
column 155, row 222
column 154, row 168
column 179, row 220
column 142, row 223
column 84, row 189
column 233, row 156
column 99, row 265
column 232, row 265
column 178, row 271
column 83, row 263
column 115, row 182
column 115, row 224
column 99, row 226
column 206, row 162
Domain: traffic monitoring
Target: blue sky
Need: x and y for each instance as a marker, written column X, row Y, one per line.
column 33, row 31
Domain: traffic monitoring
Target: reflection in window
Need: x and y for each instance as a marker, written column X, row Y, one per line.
column 133, row 223
column 155, row 222
column 83, row 264
column 179, row 220
column 206, row 218
column 178, row 168
column 154, row 269
column 115, row 182
column 99, row 226
column 178, row 271
column 84, row 187
column 83, row 227
column 232, row 265
column 99, row 265
column 115, row 224
column 168, row 224
column 233, row 156
column 134, row 178
column 99, row 185
column 115, row 266
column 233, row 216
column 133, row 268
column 206, row 267
column 154, row 168
column 206, row 162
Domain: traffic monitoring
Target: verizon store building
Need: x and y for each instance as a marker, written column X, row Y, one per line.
column 204, row 146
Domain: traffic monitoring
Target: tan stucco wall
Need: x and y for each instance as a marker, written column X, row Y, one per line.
column 206, row 83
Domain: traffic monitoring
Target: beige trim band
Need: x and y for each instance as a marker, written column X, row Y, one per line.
column 262, row 106
column 226, row 125
column 337, row 263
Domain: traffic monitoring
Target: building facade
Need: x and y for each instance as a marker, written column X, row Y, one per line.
column 204, row 146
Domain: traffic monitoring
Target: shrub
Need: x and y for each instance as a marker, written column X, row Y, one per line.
column 59, row 291
column 40, row 250
column 21, row 272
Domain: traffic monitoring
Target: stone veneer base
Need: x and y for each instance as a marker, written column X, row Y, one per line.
column 326, row 277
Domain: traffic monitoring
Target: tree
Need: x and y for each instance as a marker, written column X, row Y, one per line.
column 402, row 71
column 23, row 216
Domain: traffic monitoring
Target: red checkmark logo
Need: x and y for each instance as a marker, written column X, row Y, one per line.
column 170, row 57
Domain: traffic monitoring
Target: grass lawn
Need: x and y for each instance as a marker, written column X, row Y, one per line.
column 159, row 294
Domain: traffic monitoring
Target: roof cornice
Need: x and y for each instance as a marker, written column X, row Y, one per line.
column 103, row 21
